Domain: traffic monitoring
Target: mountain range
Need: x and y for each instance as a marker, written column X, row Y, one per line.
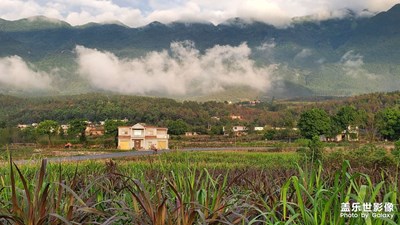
column 334, row 57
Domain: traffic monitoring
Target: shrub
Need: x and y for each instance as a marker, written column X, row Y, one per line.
column 396, row 152
column 303, row 142
column 370, row 156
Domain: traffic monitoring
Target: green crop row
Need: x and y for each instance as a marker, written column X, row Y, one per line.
column 194, row 188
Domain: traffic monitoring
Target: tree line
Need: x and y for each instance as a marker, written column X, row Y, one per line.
column 377, row 115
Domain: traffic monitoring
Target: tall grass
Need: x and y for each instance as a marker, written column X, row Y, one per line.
column 43, row 202
column 158, row 192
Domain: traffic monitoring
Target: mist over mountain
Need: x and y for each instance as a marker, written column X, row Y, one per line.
column 342, row 56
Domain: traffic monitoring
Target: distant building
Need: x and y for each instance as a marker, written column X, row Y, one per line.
column 236, row 117
column 94, row 130
column 254, row 102
column 125, row 120
column 239, row 130
column 142, row 137
column 350, row 134
column 64, row 128
column 22, row 126
column 189, row 134
column 258, row 128
column 285, row 128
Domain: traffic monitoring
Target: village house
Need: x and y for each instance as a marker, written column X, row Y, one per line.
column 350, row 134
column 258, row 128
column 125, row 120
column 22, row 126
column 236, row 117
column 64, row 128
column 216, row 118
column 94, row 130
column 239, row 128
column 189, row 134
column 142, row 137
column 254, row 102
column 285, row 128
column 236, row 130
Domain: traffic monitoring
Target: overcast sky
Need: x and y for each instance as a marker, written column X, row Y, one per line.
column 136, row 13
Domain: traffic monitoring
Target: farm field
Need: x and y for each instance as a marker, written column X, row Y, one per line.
column 234, row 187
column 28, row 153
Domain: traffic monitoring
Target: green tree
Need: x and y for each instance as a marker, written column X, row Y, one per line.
column 348, row 116
column 396, row 151
column 177, row 127
column 49, row 128
column 314, row 122
column 335, row 128
column 111, row 129
column 316, row 149
column 217, row 130
column 388, row 123
column 5, row 136
column 270, row 134
column 28, row 135
column 77, row 127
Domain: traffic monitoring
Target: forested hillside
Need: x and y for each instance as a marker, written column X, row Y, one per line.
column 376, row 115
column 339, row 56
column 100, row 107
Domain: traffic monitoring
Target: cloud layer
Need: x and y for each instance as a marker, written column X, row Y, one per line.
column 14, row 72
column 181, row 70
column 352, row 64
column 138, row 13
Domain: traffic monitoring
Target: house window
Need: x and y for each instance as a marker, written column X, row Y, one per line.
column 160, row 132
column 137, row 132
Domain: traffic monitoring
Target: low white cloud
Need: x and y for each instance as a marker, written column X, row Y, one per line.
column 352, row 61
column 181, row 70
column 267, row 46
column 304, row 53
column 274, row 12
column 265, row 52
column 103, row 12
column 321, row 61
column 14, row 72
column 352, row 64
column 138, row 13
column 73, row 11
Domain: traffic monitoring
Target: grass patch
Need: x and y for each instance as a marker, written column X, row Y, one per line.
column 193, row 188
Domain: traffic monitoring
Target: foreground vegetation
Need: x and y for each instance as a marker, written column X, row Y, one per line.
column 199, row 188
column 308, row 186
